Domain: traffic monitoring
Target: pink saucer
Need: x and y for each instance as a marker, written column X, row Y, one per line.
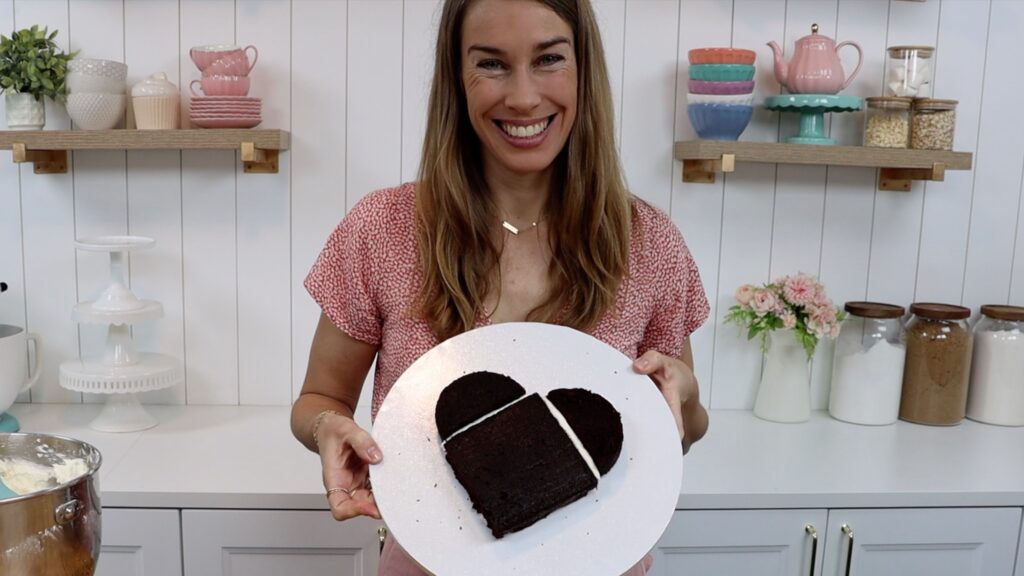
column 226, row 122
column 252, row 99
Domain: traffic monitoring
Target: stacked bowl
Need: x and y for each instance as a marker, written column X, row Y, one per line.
column 96, row 92
column 720, row 91
column 222, row 99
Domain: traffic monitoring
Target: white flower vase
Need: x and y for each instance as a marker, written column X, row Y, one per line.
column 24, row 112
column 785, row 391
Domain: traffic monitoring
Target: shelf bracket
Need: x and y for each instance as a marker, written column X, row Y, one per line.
column 43, row 161
column 898, row 179
column 258, row 160
column 703, row 171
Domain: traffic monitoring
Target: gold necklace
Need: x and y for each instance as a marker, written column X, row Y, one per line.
column 508, row 226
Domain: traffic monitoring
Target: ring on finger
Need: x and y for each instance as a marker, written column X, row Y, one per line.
column 336, row 490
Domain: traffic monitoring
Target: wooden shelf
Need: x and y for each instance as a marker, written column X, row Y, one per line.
column 47, row 149
column 898, row 167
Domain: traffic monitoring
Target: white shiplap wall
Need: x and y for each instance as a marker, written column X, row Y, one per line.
column 348, row 79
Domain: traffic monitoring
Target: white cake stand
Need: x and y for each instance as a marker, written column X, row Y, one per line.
column 122, row 372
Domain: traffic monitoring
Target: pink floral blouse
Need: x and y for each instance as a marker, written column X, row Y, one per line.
column 366, row 280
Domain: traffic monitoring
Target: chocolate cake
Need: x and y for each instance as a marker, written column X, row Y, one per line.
column 513, row 456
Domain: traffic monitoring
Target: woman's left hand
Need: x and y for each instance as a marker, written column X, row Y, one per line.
column 677, row 383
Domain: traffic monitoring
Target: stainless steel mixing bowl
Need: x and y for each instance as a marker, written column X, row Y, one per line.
column 54, row 531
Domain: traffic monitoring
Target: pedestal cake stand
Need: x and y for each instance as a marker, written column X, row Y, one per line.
column 121, row 372
column 812, row 109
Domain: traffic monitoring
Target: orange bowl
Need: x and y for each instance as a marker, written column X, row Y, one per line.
column 721, row 56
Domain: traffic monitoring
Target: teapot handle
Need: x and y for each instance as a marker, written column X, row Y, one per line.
column 860, row 61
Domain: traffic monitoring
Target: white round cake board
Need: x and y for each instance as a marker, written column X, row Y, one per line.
column 606, row 532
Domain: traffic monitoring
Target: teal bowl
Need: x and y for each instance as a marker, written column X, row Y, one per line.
column 722, row 72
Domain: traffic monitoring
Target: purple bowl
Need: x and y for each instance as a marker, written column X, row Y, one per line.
column 711, row 87
column 719, row 121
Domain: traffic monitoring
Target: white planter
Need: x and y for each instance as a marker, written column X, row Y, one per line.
column 24, row 112
column 785, row 391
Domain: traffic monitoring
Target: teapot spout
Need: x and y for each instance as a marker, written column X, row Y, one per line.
column 781, row 66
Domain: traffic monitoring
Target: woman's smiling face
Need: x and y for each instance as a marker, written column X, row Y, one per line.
column 519, row 73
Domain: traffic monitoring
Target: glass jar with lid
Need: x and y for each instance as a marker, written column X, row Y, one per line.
column 867, row 365
column 908, row 71
column 997, row 370
column 933, row 124
column 938, row 365
column 887, row 122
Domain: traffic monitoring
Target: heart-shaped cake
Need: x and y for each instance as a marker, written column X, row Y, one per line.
column 521, row 457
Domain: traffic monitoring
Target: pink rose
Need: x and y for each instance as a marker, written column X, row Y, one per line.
column 834, row 331
column 788, row 320
column 744, row 294
column 824, row 316
column 763, row 301
column 801, row 289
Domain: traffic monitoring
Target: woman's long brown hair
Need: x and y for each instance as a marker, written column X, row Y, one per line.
column 589, row 212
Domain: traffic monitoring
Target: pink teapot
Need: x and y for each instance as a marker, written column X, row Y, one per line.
column 815, row 67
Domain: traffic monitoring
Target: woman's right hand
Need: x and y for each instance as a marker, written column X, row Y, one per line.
column 346, row 453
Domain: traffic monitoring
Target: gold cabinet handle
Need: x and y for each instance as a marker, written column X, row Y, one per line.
column 849, row 551
column 382, row 535
column 814, row 544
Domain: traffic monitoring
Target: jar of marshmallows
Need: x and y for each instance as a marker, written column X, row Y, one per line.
column 909, row 71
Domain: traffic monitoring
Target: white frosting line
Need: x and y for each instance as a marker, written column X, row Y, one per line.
column 572, row 436
column 484, row 417
column 558, row 418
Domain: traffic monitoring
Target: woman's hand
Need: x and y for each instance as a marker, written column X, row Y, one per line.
column 677, row 383
column 346, row 452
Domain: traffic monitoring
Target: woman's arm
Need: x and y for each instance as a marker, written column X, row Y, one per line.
column 338, row 365
column 322, row 419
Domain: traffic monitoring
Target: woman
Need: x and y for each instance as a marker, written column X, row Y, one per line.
column 520, row 213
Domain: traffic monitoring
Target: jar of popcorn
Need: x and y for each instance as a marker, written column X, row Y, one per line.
column 933, row 124
column 887, row 122
column 909, row 71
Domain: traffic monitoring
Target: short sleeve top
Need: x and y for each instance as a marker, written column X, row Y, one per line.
column 367, row 278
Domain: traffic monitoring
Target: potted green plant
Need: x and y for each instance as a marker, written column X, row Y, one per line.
column 32, row 66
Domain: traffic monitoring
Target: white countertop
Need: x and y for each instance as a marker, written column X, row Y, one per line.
column 245, row 457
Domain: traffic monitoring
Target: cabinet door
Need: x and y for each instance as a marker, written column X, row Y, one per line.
column 272, row 543
column 1020, row 554
column 140, row 543
column 748, row 542
column 925, row 542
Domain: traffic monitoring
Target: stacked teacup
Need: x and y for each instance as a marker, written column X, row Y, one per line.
column 721, row 91
column 96, row 92
column 222, row 99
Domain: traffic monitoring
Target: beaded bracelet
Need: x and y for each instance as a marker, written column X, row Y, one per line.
column 318, row 420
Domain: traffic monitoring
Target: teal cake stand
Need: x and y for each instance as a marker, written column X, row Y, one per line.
column 8, row 423
column 812, row 109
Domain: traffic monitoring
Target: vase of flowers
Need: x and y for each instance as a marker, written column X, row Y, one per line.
column 790, row 316
column 32, row 67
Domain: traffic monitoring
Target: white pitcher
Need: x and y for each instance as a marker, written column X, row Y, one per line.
column 15, row 375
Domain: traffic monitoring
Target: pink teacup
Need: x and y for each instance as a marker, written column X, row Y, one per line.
column 234, row 64
column 221, row 86
column 204, row 56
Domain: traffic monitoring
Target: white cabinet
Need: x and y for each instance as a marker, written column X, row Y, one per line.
column 1020, row 554
column 273, row 543
column 883, row 542
column 928, row 541
column 748, row 542
column 140, row 543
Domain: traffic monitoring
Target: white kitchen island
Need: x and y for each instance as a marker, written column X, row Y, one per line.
column 246, row 498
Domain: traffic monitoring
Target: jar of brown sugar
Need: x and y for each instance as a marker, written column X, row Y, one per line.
column 938, row 365
column 933, row 124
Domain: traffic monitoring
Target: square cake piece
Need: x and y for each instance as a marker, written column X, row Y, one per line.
column 518, row 466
